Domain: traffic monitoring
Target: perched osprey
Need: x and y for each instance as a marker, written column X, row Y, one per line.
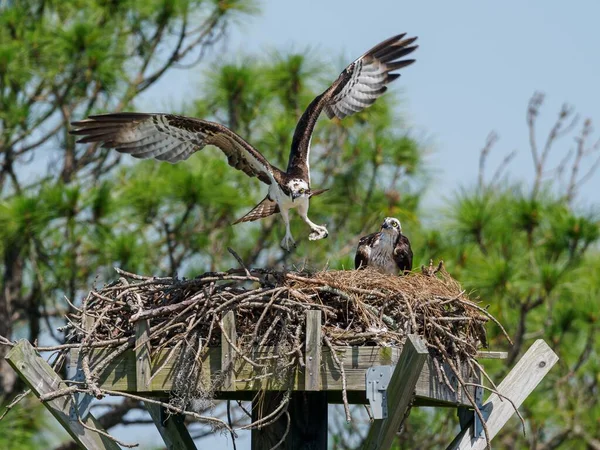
column 388, row 251
column 172, row 138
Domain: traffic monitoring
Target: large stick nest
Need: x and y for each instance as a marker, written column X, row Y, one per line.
column 358, row 308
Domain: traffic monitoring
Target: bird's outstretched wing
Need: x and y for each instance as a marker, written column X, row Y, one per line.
column 357, row 87
column 363, row 251
column 172, row 138
column 363, row 81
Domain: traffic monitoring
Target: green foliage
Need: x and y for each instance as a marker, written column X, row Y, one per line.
column 19, row 430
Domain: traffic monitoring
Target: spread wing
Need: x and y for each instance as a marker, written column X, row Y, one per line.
column 263, row 209
column 363, row 252
column 357, row 87
column 172, row 138
column 365, row 80
column 403, row 254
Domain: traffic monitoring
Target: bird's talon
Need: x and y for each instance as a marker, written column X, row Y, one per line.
column 318, row 233
column 288, row 243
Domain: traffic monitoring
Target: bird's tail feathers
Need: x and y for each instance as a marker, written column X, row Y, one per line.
column 264, row 209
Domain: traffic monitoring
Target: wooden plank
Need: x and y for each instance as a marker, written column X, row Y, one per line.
column 400, row 393
column 492, row 355
column 227, row 352
column 312, row 371
column 120, row 375
column 42, row 379
column 143, row 370
column 307, row 422
column 517, row 385
column 88, row 322
column 171, row 427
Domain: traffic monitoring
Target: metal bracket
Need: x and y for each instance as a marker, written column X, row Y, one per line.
column 477, row 425
column 467, row 416
column 376, row 385
column 82, row 402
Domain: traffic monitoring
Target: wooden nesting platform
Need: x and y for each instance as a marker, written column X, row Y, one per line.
column 413, row 380
column 131, row 371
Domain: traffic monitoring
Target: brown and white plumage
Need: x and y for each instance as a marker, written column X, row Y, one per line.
column 387, row 251
column 356, row 88
column 172, row 138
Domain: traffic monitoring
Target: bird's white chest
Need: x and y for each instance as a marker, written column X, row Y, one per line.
column 284, row 201
column 382, row 256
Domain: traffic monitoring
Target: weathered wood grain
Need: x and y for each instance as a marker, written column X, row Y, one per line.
column 400, row 393
column 517, row 385
column 143, row 370
column 312, row 371
column 492, row 355
column 42, row 379
column 87, row 321
column 120, row 375
column 227, row 351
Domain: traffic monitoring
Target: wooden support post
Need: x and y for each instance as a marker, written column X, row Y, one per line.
column 171, row 427
column 227, row 352
column 312, row 372
column 307, row 427
column 517, row 385
column 307, row 410
column 401, row 391
column 42, row 379
column 143, row 370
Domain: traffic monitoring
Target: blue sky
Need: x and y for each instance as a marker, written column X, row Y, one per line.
column 477, row 66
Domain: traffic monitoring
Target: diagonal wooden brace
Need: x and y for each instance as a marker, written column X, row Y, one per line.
column 400, row 393
column 517, row 385
column 42, row 379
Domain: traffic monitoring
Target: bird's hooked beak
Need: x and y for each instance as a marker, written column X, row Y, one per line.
column 385, row 226
column 295, row 195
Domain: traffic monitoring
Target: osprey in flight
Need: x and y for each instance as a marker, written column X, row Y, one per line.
column 388, row 251
column 172, row 138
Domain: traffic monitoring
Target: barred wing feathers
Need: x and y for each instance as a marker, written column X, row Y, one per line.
column 365, row 80
column 357, row 87
column 172, row 138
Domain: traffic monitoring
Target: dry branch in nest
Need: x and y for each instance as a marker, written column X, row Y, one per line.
column 358, row 308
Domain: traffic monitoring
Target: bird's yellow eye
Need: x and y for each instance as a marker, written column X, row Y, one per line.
column 395, row 224
column 302, row 191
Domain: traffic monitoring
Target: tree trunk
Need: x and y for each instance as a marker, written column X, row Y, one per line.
column 10, row 291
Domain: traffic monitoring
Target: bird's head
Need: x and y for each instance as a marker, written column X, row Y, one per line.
column 391, row 226
column 298, row 188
